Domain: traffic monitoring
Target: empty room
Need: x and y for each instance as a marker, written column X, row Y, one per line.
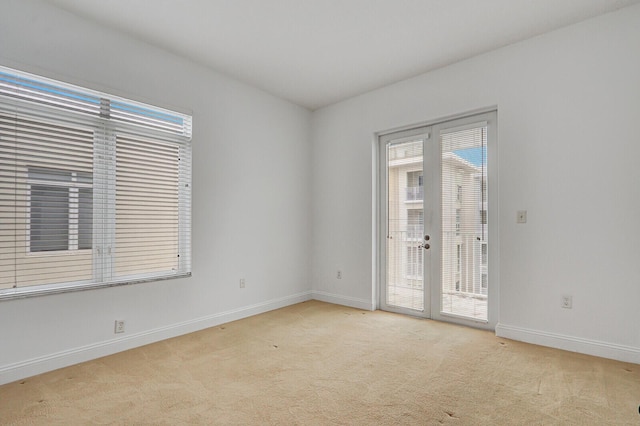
column 319, row 212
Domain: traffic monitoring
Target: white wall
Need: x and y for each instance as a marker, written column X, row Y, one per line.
column 250, row 196
column 568, row 107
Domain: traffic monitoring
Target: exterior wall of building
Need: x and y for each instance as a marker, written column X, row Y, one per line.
column 461, row 270
column 23, row 146
column 461, row 266
column 146, row 203
column 146, row 208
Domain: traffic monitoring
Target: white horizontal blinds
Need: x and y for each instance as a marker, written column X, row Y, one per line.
column 47, row 208
column 405, row 195
column 151, row 119
column 184, row 208
column 94, row 190
column 147, row 207
column 464, row 221
column 20, row 86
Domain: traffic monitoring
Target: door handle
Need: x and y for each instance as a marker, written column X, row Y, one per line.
column 425, row 245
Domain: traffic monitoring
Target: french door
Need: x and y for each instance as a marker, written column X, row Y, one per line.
column 435, row 221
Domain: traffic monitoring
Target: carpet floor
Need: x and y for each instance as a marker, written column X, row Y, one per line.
column 320, row 364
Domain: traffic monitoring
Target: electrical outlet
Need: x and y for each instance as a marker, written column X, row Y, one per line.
column 242, row 283
column 339, row 274
column 567, row 301
column 119, row 327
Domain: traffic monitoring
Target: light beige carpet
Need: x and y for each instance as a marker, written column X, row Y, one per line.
column 321, row 364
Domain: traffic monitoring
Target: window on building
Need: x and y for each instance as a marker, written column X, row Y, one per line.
column 484, row 189
column 415, row 188
column 414, row 263
column 458, row 220
column 484, row 253
column 414, row 179
column 60, row 210
column 459, row 193
column 49, row 218
column 96, row 188
column 483, row 217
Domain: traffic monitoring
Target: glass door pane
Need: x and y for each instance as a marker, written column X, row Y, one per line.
column 464, row 273
column 405, row 287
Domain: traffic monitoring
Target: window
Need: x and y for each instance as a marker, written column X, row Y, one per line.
column 484, row 254
column 59, row 211
column 95, row 189
column 414, row 263
column 484, row 189
column 483, row 217
column 49, row 218
column 464, row 233
column 414, row 179
column 415, row 188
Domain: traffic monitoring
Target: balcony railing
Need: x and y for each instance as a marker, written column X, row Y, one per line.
column 414, row 233
column 415, row 193
column 414, row 270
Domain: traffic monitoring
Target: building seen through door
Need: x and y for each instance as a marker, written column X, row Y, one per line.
column 464, row 227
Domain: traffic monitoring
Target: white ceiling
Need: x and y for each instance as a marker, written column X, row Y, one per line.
column 317, row 52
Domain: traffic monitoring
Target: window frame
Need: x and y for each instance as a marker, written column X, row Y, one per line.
column 33, row 100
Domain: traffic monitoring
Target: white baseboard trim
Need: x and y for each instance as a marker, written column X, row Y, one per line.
column 569, row 343
column 20, row 370
column 338, row 299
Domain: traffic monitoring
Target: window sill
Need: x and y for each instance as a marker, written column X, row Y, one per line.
column 48, row 289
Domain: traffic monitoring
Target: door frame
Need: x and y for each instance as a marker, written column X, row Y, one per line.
column 432, row 310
